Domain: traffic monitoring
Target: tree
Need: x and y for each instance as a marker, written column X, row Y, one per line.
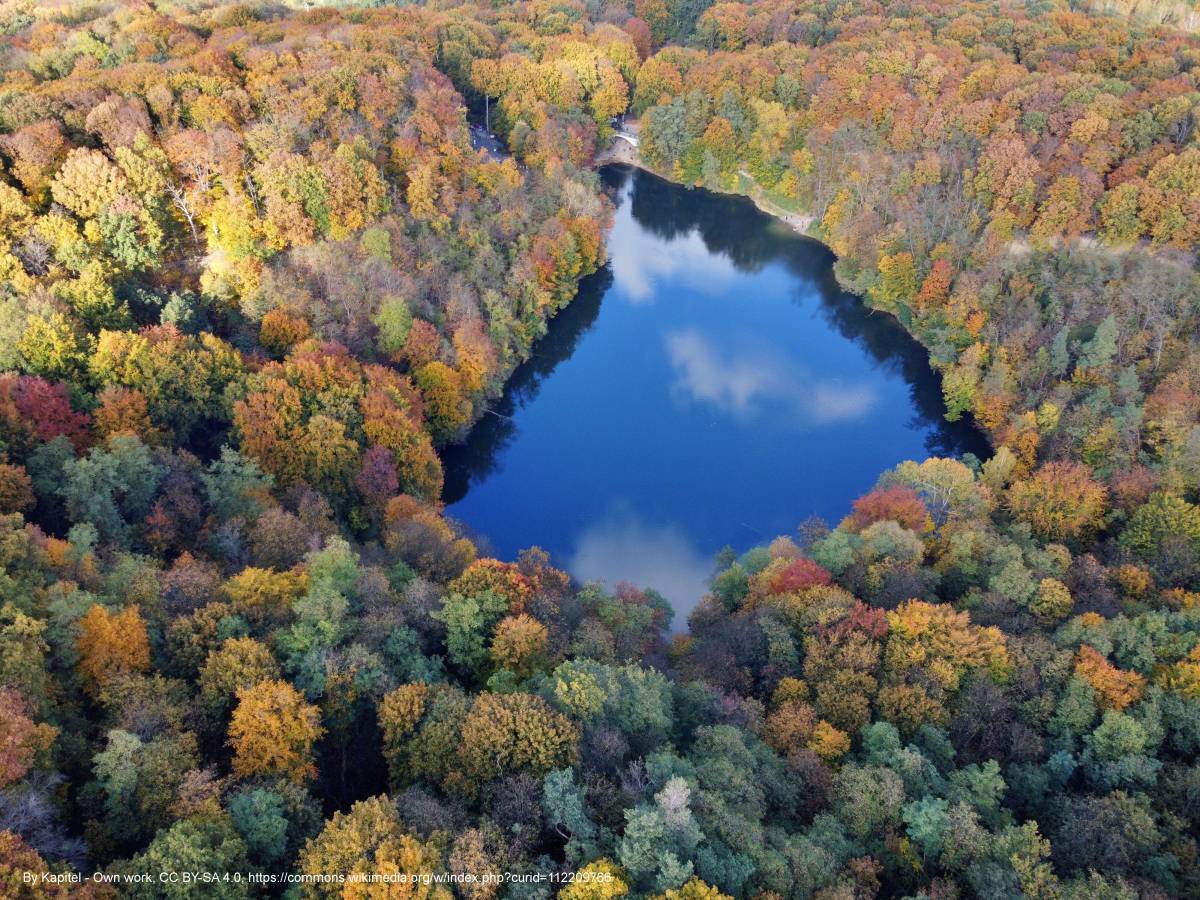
column 927, row 821
column 599, row 880
column 36, row 152
column 23, row 651
column 1064, row 210
column 1119, row 221
column 394, row 321
column 1052, row 603
column 377, row 480
column 238, row 664
column 400, row 712
column 281, row 330
column 208, row 844
column 506, row 733
column 33, row 409
column 422, row 345
column 370, row 840
column 272, row 732
column 469, row 621
column 790, row 724
column 112, row 487
column 898, row 503
column 897, row 285
column 112, row 645
column 21, row 740
column 693, row 889
column 1115, row 689
column 866, row 799
column 661, row 839
column 261, row 820
column 449, row 410
column 183, row 377
column 327, row 456
column 519, row 645
column 140, row 780
column 18, row 859
column 639, row 33
column 788, row 576
column 1169, row 206
column 1061, row 502
column 16, row 489
column 124, row 411
column 1163, row 518
column 264, row 594
column 942, row 643
column 505, row 580
column 633, row 699
column 565, row 808
column 87, row 183
column 235, row 485
column 946, row 487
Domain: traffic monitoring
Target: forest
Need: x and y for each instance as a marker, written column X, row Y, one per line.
column 254, row 277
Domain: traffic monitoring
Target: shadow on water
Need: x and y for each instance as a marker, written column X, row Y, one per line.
column 751, row 239
column 476, row 458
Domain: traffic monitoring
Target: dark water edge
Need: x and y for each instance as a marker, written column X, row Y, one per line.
column 476, row 457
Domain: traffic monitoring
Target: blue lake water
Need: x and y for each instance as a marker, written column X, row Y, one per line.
column 711, row 386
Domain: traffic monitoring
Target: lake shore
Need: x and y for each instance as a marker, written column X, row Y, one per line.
column 623, row 153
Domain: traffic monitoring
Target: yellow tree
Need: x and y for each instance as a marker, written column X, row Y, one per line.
column 239, row 663
column 694, row 889
column 942, row 642
column 1170, row 200
column 112, row 645
column 600, row 880
column 930, row 647
column 87, row 182
column 505, row 579
column 448, row 409
column 370, row 840
column 123, row 410
column 1061, row 502
column 273, row 731
column 519, row 645
column 264, row 594
column 504, row 733
column 399, row 714
column 1115, row 688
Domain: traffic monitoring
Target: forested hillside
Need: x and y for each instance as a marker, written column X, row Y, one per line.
column 253, row 275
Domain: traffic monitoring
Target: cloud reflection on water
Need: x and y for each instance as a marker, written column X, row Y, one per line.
column 640, row 262
column 622, row 547
column 742, row 382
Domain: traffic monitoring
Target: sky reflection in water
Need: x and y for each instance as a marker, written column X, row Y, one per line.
column 711, row 386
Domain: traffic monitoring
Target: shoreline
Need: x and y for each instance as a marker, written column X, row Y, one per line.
column 621, row 153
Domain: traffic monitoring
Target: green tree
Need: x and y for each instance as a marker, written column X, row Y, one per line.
column 112, row 487
column 1164, row 515
column 260, row 818
column 235, row 485
column 394, row 321
column 191, row 845
column 469, row 622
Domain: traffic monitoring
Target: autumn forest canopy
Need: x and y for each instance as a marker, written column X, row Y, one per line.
column 254, row 276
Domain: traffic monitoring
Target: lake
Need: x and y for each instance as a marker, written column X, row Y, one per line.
column 711, row 386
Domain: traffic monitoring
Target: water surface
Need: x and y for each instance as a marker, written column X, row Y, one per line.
column 711, row 386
